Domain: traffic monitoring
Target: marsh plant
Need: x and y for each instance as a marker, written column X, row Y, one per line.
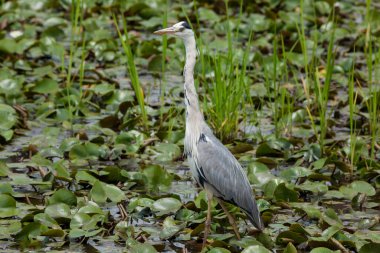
column 92, row 124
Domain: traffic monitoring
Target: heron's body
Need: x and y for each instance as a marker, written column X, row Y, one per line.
column 211, row 163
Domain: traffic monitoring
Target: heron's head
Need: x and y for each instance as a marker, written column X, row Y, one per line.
column 181, row 29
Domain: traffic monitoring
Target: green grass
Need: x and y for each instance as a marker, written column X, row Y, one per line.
column 352, row 98
column 76, row 21
column 316, row 91
column 373, row 60
column 133, row 74
column 227, row 91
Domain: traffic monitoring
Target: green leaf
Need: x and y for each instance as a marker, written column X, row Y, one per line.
column 59, row 210
column 259, row 22
column 46, row 86
column 290, row 248
column 7, row 206
column 157, row 177
column 7, row 134
column 8, row 117
column 363, row 187
column 6, row 188
column 208, row 15
column 91, row 208
column 76, row 232
column 270, row 187
column 114, row 193
column 315, row 187
column 164, row 152
column 29, row 231
column 166, row 205
column 329, row 232
column 370, row 248
column 330, row 217
column 86, row 177
column 132, row 140
column 87, row 150
column 4, row 170
column 8, row 45
column 142, row 248
column 98, row 193
column 295, row 172
column 286, row 236
column 218, row 250
column 310, row 209
column 283, row 193
column 170, row 228
column 11, row 87
column 46, row 220
column 265, row 149
column 53, row 233
column 63, row 196
column 79, row 220
column 256, row 249
column 323, row 250
column 7, row 201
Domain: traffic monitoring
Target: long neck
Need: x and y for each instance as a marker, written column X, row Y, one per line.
column 191, row 97
column 194, row 117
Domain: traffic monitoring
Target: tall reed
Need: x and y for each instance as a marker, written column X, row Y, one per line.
column 373, row 63
column 133, row 74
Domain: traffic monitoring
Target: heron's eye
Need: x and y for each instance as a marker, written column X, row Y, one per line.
column 181, row 29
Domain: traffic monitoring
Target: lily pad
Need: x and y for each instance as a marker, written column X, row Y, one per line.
column 166, row 205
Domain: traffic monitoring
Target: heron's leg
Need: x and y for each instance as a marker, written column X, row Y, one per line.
column 231, row 219
column 208, row 218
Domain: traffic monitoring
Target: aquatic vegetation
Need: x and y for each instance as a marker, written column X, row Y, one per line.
column 92, row 124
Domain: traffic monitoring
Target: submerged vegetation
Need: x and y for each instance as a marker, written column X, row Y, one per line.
column 92, row 124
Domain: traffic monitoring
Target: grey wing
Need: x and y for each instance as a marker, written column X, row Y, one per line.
column 220, row 171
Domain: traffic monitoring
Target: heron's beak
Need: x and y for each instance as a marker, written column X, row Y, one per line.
column 169, row 30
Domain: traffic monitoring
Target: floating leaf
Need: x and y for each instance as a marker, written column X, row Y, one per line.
column 29, row 231
column 256, row 249
column 98, row 193
column 290, row 248
column 294, row 237
column 170, row 228
column 8, row 120
column 63, row 196
column 79, row 220
column 370, row 248
column 166, row 205
column 218, row 250
column 59, row 210
column 46, row 86
column 46, row 220
column 7, row 206
column 295, row 172
column 283, row 193
column 323, row 250
column 330, row 217
column 363, row 187
column 4, row 170
column 265, row 149
column 132, row 140
column 165, row 152
column 143, row 248
column 157, row 177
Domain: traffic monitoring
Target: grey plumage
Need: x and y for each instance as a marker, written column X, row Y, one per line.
column 211, row 163
column 215, row 168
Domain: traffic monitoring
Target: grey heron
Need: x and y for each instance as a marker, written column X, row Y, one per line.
column 211, row 163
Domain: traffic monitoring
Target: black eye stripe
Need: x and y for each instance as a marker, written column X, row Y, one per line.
column 186, row 25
